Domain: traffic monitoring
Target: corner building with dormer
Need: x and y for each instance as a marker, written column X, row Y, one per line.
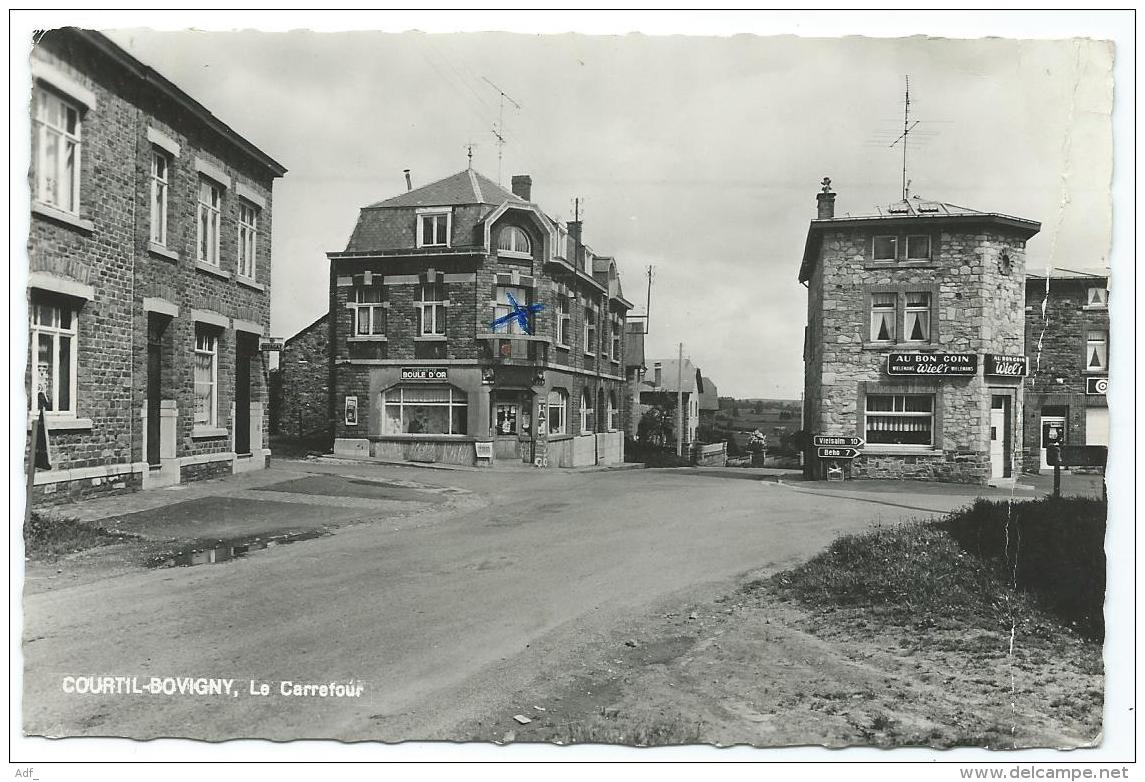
column 915, row 340
column 426, row 365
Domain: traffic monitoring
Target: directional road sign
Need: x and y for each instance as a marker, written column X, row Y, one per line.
column 838, row 453
column 838, row 441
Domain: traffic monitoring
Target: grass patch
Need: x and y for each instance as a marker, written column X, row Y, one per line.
column 961, row 572
column 48, row 537
column 1053, row 548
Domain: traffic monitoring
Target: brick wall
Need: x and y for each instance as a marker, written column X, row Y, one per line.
column 304, row 369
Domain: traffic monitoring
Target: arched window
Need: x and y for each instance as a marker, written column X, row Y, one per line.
column 514, row 241
column 585, row 412
column 558, row 411
column 613, row 412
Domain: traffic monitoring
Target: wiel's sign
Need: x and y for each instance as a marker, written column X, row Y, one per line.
column 927, row 364
column 1006, row 366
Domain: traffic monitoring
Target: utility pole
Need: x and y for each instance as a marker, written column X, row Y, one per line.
column 680, row 403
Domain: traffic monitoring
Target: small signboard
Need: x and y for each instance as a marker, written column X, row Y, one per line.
column 484, row 450
column 351, row 411
column 425, row 373
column 270, row 344
column 838, row 453
column 927, row 364
column 1005, row 366
column 487, row 375
column 1097, row 385
column 838, row 440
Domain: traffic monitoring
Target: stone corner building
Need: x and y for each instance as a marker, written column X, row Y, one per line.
column 915, row 339
column 149, row 253
column 303, row 405
column 427, row 362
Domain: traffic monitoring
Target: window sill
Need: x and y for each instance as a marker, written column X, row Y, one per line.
column 431, row 338
column 368, row 338
column 248, row 282
column 515, row 255
column 203, row 266
column 563, row 347
column 1094, row 307
column 63, row 422
column 60, row 216
column 162, row 251
column 207, row 432
column 1097, row 372
column 433, row 246
column 900, row 450
column 914, row 346
column 559, row 437
column 912, row 264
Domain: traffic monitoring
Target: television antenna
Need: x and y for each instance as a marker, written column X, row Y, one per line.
column 499, row 128
column 909, row 135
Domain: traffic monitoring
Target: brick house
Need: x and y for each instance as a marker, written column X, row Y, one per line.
column 1067, row 345
column 149, row 253
column 304, row 409
column 426, row 364
column 915, row 339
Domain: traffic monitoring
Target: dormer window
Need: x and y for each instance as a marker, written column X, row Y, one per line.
column 514, row 242
column 433, row 228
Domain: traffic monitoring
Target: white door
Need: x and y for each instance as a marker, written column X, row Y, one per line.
column 1097, row 426
column 997, row 436
column 1053, row 433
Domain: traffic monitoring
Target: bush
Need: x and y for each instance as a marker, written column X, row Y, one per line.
column 1053, row 548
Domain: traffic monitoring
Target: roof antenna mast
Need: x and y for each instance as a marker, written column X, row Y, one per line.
column 906, row 129
column 499, row 128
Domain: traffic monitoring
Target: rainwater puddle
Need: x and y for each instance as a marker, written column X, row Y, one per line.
column 226, row 550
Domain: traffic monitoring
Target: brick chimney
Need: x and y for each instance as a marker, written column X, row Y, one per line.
column 826, row 200
column 523, row 186
column 575, row 228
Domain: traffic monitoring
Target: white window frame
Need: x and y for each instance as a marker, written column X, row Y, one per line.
column 248, row 239
column 207, row 344
column 895, row 251
column 501, row 308
column 613, row 411
column 916, row 309
column 374, row 310
column 1099, row 339
column 1097, row 297
column 432, row 310
column 587, row 424
column 54, row 331
column 514, row 236
column 213, row 212
column 898, row 411
column 160, row 186
column 881, row 309
column 564, row 320
column 46, row 125
column 433, row 217
column 590, row 333
column 907, row 240
column 558, row 411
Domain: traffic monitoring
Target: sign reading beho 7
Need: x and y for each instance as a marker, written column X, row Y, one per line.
column 957, row 364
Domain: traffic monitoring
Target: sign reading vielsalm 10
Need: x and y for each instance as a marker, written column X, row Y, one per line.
column 830, row 446
column 957, row 364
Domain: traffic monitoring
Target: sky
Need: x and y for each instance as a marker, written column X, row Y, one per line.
column 698, row 155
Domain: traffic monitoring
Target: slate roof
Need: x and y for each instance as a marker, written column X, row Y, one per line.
column 464, row 187
column 668, row 371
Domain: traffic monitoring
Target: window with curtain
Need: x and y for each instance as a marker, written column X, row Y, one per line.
column 503, row 306
column 369, row 314
column 1097, row 351
column 586, row 413
column 160, row 167
column 425, row 409
column 210, row 215
column 56, row 150
column 883, row 312
column 54, row 332
column 248, row 239
column 513, row 241
column 431, row 310
column 558, row 404
column 900, row 419
column 206, row 377
column 917, row 320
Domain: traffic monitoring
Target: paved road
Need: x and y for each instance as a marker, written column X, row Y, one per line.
column 426, row 617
